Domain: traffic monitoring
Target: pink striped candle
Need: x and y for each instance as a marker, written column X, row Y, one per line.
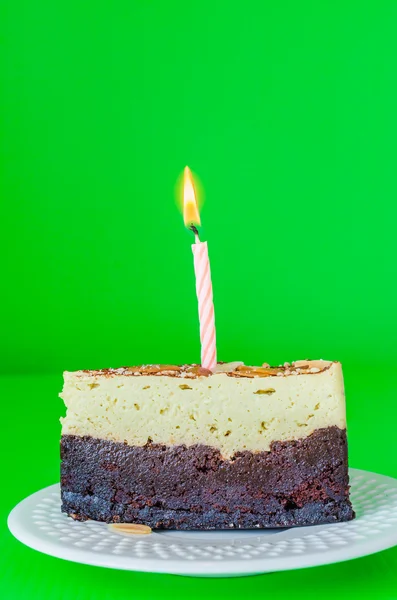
column 205, row 304
column 203, row 276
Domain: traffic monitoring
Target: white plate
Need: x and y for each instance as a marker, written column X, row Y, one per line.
column 38, row 522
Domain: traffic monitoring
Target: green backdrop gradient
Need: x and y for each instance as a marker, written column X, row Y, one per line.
column 287, row 113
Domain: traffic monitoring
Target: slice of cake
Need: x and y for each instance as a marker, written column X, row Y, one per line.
column 179, row 447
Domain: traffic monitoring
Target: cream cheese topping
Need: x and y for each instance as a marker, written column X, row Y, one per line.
column 230, row 413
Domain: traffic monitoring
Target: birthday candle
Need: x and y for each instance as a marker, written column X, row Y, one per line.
column 203, row 275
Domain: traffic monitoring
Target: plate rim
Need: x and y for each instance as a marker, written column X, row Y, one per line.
column 198, row 566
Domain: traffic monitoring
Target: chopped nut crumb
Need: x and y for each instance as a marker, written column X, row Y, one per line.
column 130, row 528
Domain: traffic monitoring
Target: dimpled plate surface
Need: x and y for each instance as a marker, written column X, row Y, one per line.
column 38, row 522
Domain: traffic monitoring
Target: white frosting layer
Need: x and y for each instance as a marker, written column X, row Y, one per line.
column 229, row 413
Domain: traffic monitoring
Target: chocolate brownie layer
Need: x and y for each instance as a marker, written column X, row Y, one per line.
column 301, row 482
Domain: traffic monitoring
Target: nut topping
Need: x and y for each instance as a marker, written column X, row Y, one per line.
column 130, row 528
column 199, row 371
column 244, row 371
column 192, row 371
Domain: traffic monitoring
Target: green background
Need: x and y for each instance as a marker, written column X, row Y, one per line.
column 287, row 113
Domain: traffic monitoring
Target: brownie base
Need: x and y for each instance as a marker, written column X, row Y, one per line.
column 301, row 482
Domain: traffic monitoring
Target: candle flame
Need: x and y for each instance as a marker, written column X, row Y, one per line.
column 191, row 215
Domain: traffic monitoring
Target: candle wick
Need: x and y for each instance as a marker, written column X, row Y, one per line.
column 196, row 233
